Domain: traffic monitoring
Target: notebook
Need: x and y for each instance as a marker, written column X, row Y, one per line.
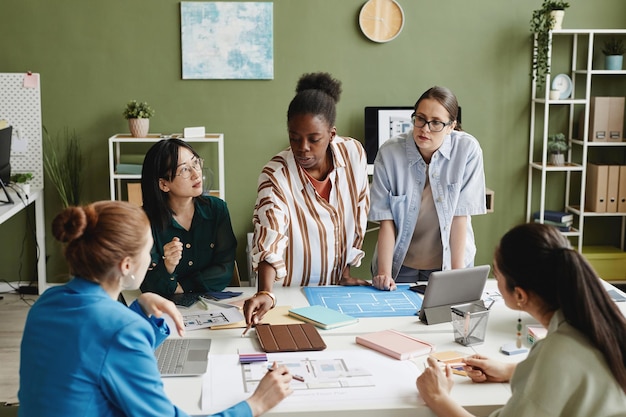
column 183, row 357
column 453, row 286
column 322, row 317
column 395, row 344
column 289, row 337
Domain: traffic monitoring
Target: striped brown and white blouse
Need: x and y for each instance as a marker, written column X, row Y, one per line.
column 308, row 240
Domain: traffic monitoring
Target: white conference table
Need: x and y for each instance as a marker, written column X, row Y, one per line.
column 479, row 399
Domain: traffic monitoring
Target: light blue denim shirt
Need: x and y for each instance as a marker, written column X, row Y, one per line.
column 457, row 181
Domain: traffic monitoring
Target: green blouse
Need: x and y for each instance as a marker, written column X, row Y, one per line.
column 209, row 248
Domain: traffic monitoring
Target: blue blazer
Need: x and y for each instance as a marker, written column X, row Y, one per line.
column 85, row 354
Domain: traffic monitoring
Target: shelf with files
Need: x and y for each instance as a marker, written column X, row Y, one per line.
column 120, row 144
column 549, row 116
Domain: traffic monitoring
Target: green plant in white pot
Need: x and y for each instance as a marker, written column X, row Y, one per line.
column 557, row 145
column 542, row 22
column 613, row 51
column 22, row 180
column 138, row 115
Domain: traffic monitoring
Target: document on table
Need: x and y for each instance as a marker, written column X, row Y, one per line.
column 332, row 377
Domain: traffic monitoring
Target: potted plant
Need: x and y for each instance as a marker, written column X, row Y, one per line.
column 545, row 19
column 138, row 115
column 63, row 163
column 613, row 51
column 22, row 179
column 557, row 144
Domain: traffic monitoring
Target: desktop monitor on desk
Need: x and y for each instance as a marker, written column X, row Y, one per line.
column 5, row 161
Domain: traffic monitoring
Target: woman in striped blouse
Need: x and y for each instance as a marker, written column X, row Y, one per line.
column 311, row 210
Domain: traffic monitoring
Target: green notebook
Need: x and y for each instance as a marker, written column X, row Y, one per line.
column 322, row 317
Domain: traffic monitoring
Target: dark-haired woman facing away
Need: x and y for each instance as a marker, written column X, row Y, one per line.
column 579, row 369
column 85, row 354
column 312, row 202
column 194, row 244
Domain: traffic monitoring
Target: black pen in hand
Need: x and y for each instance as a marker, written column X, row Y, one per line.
column 296, row 377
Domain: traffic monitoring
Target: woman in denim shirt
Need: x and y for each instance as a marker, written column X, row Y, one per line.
column 427, row 183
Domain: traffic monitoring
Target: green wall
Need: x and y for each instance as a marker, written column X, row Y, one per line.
column 95, row 56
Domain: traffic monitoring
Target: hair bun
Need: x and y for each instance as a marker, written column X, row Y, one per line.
column 70, row 224
column 322, row 81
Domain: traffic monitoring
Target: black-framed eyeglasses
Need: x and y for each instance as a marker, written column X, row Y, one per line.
column 433, row 125
column 185, row 170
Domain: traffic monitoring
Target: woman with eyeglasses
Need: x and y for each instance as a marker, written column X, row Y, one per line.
column 311, row 209
column 194, row 244
column 427, row 183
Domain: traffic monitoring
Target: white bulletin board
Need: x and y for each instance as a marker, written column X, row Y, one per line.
column 20, row 106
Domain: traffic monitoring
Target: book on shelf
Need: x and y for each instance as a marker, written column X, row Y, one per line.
column 134, row 169
column 555, row 216
column 322, row 317
column 563, row 227
column 395, row 344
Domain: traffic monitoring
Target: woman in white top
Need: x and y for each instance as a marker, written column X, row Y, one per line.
column 427, row 184
column 579, row 369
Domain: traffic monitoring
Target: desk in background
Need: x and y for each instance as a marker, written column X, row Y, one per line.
column 9, row 210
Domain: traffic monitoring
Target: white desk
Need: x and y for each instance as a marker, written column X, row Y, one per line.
column 480, row 399
column 9, row 210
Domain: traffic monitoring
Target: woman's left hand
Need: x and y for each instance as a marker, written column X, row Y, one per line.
column 352, row 282
column 154, row 305
column 433, row 384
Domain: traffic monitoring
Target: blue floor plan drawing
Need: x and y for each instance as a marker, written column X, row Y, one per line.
column 366, row 301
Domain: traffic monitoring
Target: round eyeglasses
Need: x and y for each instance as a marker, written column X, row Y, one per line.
column 185, row 170
column 433, row 125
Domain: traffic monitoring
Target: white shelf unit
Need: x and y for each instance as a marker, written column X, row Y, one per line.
column 585, row 43
column 118, row 141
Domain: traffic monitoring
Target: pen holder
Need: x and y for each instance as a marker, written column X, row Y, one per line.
column 469, row 322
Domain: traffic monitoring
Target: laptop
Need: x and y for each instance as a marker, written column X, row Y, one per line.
column 183, row 357
column 450, row 287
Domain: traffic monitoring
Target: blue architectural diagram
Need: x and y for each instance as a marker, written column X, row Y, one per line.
column 366, row 301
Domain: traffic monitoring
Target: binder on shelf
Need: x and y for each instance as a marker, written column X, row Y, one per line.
column 612, row 188
column 597, row 179
column 134, row 193
column 616, row 119
column 598, row 118
column 621, row 193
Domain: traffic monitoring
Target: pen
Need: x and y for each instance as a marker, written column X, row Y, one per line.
column 296, row 377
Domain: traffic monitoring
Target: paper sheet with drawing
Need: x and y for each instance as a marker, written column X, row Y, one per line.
column 337, row 376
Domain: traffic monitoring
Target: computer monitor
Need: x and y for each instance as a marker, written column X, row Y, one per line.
column 5, row 161
column 383, row 123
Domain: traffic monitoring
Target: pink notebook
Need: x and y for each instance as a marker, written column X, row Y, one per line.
column 395, row 344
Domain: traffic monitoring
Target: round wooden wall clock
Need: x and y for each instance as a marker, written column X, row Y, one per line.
column 381, row 20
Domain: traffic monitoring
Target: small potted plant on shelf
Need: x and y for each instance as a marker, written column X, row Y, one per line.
column 138, row 115
column 548, row 17
column 557, row 144
column 613, row 51
column 22, row 180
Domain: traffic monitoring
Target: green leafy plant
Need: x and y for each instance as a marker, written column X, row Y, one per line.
column 22, row 177
column 557, row 143
column 63, row 163
column 614, row 46
column 541, row 24
column 138, row 110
